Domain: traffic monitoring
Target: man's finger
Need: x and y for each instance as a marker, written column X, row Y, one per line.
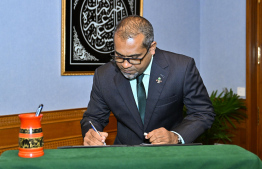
column 93, row 138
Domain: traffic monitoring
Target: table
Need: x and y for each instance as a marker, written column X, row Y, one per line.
column 200, row 156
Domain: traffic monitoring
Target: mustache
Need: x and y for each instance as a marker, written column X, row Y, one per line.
column 127, row 69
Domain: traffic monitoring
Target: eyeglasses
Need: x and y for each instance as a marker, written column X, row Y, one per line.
column 133, row 61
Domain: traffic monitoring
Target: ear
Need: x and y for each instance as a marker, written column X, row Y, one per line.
column 153, row 48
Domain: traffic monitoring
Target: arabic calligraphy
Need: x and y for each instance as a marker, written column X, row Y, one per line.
column 98, row 19
column 79, row 52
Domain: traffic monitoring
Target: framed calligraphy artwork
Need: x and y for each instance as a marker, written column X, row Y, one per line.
column 87, row 32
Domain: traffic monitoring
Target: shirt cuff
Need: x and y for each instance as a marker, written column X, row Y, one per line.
column 181, row 138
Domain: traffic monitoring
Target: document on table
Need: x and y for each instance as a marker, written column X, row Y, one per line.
column 120, row 145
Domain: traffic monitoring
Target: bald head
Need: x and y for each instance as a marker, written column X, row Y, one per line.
column 131, row 26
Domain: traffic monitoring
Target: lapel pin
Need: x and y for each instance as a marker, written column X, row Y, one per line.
column 158, row 80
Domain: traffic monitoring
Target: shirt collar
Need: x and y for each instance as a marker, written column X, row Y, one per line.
column 148, row 69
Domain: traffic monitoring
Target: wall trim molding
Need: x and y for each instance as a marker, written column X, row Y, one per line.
column 49, row 117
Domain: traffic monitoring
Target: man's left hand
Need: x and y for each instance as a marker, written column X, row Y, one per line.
column 162, row 136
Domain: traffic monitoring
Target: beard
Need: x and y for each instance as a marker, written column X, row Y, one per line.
column 130, row 76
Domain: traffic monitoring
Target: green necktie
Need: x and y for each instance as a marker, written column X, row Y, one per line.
column 141, row 96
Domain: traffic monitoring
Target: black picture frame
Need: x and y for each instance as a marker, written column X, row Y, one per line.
column 87, row 32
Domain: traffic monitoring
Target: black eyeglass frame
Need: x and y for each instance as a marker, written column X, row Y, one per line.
column 128, row 58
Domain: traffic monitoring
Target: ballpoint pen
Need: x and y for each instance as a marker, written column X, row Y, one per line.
column 96, row 130
column 39, row 109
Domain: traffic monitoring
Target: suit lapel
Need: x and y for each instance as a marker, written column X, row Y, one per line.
column 158, row 70
column 125, row 91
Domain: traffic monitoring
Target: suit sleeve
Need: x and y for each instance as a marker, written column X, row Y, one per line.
column 97, row 111
column 200, row 113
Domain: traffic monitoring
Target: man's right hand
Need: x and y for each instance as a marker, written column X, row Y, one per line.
column 93, row 139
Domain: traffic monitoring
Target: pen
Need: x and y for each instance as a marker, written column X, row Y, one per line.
column 39, row 109
column 96, row 130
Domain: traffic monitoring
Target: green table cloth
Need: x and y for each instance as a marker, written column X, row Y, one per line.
column 200, row 156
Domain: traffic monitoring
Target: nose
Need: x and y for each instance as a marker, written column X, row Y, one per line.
column 126, row 64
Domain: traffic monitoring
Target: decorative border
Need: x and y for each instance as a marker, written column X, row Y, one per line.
column 30, row 131
column 31, row 142
column 85, row 61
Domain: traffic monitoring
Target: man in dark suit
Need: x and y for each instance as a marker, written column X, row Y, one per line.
column 169, row 81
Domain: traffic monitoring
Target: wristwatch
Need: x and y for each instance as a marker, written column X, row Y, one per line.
column 179, row 138
column 179, row 141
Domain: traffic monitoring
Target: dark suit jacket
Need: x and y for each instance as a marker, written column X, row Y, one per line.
column 181, row 84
